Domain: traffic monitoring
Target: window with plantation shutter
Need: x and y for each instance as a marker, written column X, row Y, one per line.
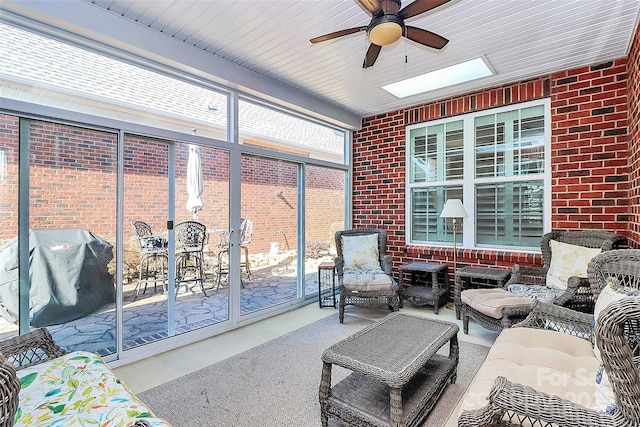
column 494, row 160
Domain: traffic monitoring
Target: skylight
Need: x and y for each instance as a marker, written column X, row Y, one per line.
column 449, row 76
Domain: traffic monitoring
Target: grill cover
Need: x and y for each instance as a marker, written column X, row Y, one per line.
column 68, row 275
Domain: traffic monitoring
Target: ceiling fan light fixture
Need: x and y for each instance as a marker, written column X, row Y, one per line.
column 385, row 30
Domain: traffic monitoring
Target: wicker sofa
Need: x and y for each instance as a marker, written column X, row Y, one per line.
column 42, row 384
column 553, row 374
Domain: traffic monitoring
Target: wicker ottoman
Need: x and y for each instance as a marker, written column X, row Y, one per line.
column 494, row 309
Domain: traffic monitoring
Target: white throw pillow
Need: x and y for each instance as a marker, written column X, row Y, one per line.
column 610, row 293
column 605, row 400
column 567, row 261
column 361, row 252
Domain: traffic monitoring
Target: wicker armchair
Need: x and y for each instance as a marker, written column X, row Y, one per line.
column 578, row 295
column 366, row 288
column 618, row 332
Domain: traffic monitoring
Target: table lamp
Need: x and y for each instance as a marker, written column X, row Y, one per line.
column 454, row 209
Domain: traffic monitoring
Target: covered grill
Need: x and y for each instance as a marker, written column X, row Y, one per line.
column 68, row 274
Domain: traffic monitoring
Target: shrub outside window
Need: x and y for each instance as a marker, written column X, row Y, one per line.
column 495, row 161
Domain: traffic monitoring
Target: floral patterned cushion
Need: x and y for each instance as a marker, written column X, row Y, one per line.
column 568, row 261
column 77, row 389
column 361, row 252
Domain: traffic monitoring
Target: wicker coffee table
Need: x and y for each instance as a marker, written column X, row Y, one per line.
column 397, row 376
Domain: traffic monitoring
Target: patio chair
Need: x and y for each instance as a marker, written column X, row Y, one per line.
column 500, row 308
column 246, row 236
column 154, row 262
column 191, row 237
column 364, row 270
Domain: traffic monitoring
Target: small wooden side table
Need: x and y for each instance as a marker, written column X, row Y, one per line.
column 475, row 277
column 435, row 294
column 327, row 284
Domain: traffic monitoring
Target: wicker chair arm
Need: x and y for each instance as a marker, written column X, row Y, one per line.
column 618, row 338
column 386, row 264
column 575, row 282
column 30, row 349
column 577, row 296
column 563, row 319
column 519, row 404
column 9, row 390
column 527, row 275
column 339, row 262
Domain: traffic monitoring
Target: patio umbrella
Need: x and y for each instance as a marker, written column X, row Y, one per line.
column 194, row 181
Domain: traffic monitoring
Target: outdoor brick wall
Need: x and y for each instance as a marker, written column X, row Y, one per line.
column 591, row 170
column 9, row 131
column 73, row 173
column 633, row 85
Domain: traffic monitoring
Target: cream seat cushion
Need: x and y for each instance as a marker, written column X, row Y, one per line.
column 549, row 361
column 490, row 302
column 367, row 281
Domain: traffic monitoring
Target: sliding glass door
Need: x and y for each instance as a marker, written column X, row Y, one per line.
column 269, row 254
column 62, row 273
column 172, row 283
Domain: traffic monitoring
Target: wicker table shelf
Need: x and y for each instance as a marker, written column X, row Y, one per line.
column 431, row 293
column 397, row 376
column 474, row 277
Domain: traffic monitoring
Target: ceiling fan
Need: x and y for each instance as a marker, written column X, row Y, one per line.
column 387, row 26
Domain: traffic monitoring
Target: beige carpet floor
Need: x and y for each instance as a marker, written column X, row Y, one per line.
column 276, row 383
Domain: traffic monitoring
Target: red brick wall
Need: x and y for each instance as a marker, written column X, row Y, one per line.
column 72, row 174
column 9, row 131
column 633, row 85
column 590, row 151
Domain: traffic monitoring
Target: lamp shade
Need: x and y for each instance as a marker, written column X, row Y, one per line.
column 453, row 208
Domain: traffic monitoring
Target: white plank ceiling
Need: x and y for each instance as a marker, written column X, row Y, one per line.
column 521, row 39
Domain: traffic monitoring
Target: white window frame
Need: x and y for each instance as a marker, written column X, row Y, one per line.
column 469, row 180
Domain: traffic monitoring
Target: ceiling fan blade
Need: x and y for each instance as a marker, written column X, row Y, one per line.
column 372, row 6
column 420, row 6
column 337, row 34
column 425, row 37
column 371, row 56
